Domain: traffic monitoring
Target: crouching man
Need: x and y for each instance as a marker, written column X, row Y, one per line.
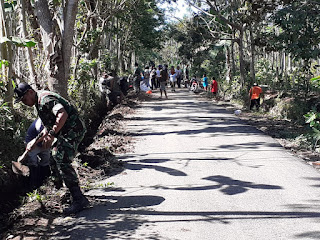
column 61, row 121
column 38, row 157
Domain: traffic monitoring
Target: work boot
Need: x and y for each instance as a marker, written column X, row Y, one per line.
column 79, row 203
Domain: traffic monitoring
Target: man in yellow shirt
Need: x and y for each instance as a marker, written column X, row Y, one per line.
column 254, row 95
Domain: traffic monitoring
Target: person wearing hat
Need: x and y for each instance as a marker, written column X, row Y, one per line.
column 254, row 95
column 61, row 121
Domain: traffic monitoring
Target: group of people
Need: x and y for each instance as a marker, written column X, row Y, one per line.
column 112, row 88
column 162, row 76
column 211, row 86
column 152, row 77
column 62, row 129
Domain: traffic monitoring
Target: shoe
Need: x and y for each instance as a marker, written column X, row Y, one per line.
column 77, row 206
column 79, row 203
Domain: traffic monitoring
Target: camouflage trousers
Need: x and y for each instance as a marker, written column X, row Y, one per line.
column 64, row 150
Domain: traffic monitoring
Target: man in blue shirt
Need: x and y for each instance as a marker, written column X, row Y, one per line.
column 38, row 157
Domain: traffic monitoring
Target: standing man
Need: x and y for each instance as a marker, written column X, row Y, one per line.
column 153, row 76
column 163, row 80
column 214, row 87
column 205, row 82
column 61, row 121
column 158, row 76
column 254, row 95
column 137, row 78
column 178, row 76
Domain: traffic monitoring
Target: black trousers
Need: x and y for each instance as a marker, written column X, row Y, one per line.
column 255, row 102
column 179, row 82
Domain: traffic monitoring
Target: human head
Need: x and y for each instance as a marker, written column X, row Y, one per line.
column 178, row 67
column 255, row 84
column 136, row 64
column 160, row 66
column 24, row 92
column 204, row 75
column 104, row 74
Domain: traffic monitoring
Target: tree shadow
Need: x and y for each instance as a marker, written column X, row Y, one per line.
column 309, row 235
column 225, row 185
column 170, row 171
column 105, row 222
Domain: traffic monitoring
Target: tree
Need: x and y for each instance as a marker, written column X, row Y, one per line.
column 57, row 32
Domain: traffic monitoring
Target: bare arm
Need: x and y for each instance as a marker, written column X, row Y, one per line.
column 61, row 118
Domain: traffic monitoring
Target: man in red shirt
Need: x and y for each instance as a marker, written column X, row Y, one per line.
column 254, row 94
column 214, row 87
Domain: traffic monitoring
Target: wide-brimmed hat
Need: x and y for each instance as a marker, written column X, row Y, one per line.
column 20, row 91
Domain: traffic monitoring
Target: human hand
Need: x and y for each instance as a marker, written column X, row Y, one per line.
column 31, row 145
column 47, row 141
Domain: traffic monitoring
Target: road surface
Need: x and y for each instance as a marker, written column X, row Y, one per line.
column 198, row 172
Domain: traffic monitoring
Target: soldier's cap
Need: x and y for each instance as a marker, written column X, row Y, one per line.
column 20, row 91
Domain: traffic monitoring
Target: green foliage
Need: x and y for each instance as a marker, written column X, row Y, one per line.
column 17, row 41
column 313, row 119
column 315, row 81
column 35, row 195
column 300, row 33
column 12, row 129
column 83, row 90
column 265, row 74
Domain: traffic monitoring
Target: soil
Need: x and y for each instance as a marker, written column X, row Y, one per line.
column 36, row 217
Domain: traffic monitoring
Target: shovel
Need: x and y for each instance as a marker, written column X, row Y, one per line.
column 18, row 167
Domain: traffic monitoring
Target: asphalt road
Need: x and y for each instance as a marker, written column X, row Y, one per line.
column 198, row 172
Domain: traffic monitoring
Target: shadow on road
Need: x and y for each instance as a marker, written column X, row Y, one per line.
column 110, row 222
column 226, row 185
column 170, row 171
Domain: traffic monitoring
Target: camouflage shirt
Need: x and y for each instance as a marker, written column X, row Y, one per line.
column 49, row 103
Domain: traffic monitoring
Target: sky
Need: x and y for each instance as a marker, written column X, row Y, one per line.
column 180, row 9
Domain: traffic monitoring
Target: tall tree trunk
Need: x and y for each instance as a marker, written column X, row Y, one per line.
column 28, row 51
column 228, row 65
column 233, row 62
column 241, row 59
column 252, row 62
column 57, row 43
column 6, row 54
column 94, row 54
column 71, row 10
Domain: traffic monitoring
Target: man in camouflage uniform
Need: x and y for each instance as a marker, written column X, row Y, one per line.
column 61, row 121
